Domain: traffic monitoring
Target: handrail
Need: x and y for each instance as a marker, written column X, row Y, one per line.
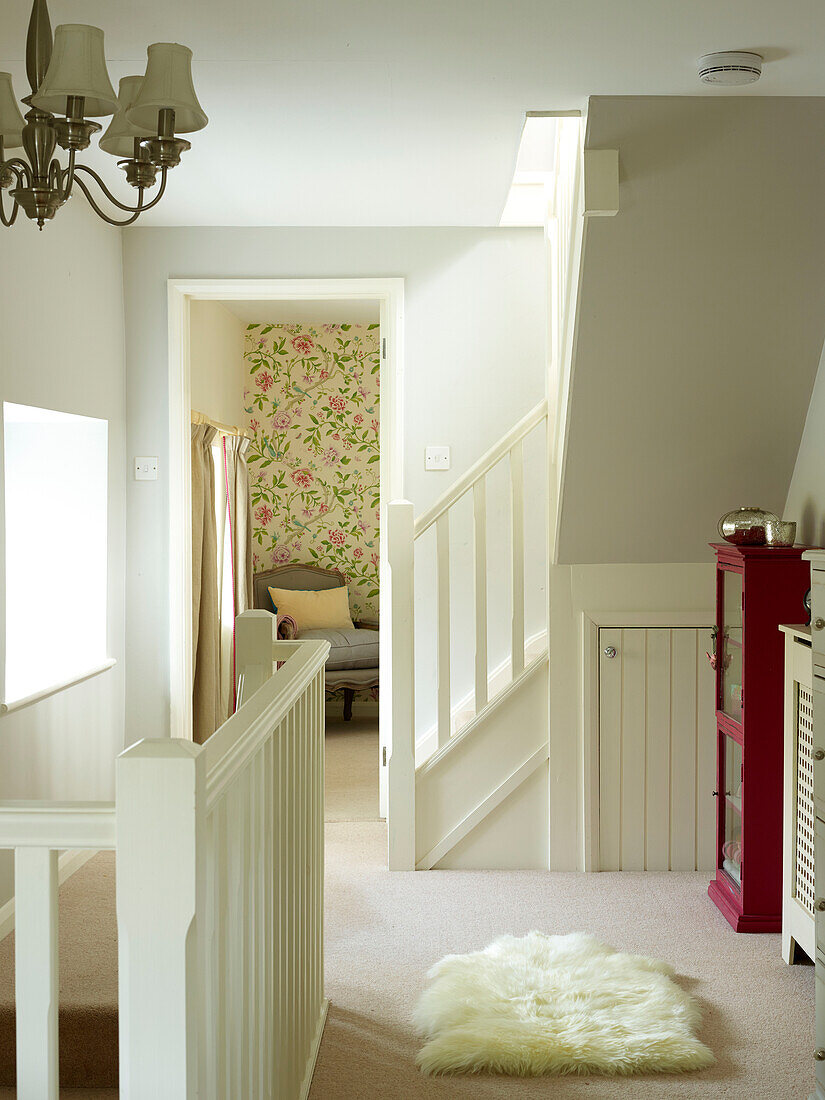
column 241, row 735
column 57, row 825
column 481, row 467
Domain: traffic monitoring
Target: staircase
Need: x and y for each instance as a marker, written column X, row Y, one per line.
column 472, row 790
column 469, row 788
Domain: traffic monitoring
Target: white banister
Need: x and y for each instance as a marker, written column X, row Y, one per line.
column 517, row 515
column 57, row 825
column 36, row 972
column 219, row 896
column 254, row 636
column 443, row 635
column 160, row 823
column 480, row 585
column 483, row 466
column 401, row 686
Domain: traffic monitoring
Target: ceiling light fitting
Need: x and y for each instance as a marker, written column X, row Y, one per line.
column 70, row 84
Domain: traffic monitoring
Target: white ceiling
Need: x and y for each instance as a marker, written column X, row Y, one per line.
column 386, row 112
column 358, row 311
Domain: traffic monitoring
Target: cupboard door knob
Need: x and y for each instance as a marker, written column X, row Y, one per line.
column 819, row 624
column 819, row 905
column 819, row 1054
column 819, row 754
column 610, row 651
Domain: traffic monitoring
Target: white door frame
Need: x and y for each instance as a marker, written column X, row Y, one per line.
column 390, row 295
column 591, row 623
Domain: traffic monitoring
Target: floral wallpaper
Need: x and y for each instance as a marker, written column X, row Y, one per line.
column 312, row 401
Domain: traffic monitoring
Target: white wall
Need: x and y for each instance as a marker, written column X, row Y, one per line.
column 474, row 362
column 61, row 319
column 700, row 322
column 216, row 343
column 806, row 495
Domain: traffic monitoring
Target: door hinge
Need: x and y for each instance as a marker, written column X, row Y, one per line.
column 384, row 348
column 384, row 756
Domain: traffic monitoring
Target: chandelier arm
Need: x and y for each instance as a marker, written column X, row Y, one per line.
column 22, row 169
column 112, row 221
column 65, row 178
column 116, row 202
column 12, row 218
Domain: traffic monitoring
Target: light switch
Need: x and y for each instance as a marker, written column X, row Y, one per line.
column 146, row 469
column 437, row 458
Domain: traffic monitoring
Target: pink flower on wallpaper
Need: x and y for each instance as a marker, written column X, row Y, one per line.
column 307, row 379
column 255, row 425
column 323, row 375
column 308, row 513
column 302, row 477
column 264, row 514
column 362, row 526
column 374, row 426
column 281, row 421
column 374, row 559
column 328, row 328
column 264, row 380
column 281, row 555
column 322, row 509
column 336, row 435
column 337, row 403
column 347, row 444
column 255, row 560
column 358, row 418
column 337, row 538
column 261, row 342
column 303, row 343
column 330, row 456
column 363, row 392
column 358, row 552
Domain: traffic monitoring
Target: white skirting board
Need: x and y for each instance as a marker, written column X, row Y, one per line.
column 67, row 864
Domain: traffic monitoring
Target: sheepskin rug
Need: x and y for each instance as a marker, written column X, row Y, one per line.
column 556, row 1004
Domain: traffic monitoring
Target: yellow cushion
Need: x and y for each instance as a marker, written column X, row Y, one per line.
column 325, row 610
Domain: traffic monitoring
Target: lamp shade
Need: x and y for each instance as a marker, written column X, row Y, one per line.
column 11, row 121
column 168, row 84
column 77, row 67
column 119, row 139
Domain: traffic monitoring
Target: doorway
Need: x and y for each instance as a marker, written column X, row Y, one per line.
column 290, row 310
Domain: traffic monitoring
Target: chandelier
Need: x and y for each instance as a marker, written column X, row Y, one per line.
column 70, row 86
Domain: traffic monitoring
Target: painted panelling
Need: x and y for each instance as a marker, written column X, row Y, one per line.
column 312, row 403
column 657, row 738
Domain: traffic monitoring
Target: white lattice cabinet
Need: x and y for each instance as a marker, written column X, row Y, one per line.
column 817, row 560
column 798, row 894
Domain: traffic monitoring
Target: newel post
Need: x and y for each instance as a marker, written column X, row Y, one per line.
column 401, row 764
column 161, row 825
column 254, row 634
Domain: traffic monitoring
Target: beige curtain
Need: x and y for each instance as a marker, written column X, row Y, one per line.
column 205, row 605
column 234, row 527
column 238, row 459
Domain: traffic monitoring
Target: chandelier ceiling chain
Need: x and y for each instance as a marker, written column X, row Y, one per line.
column 69, row 86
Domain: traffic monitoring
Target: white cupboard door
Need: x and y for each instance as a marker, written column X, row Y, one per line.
column 657, row 750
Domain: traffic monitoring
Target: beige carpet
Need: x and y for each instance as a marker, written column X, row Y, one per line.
column 88, row 980
column 384, row 931
column 352, row 769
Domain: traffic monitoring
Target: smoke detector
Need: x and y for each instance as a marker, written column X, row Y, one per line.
column 732, row 67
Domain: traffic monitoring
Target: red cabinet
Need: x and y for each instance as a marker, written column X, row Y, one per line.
column 757, row 588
